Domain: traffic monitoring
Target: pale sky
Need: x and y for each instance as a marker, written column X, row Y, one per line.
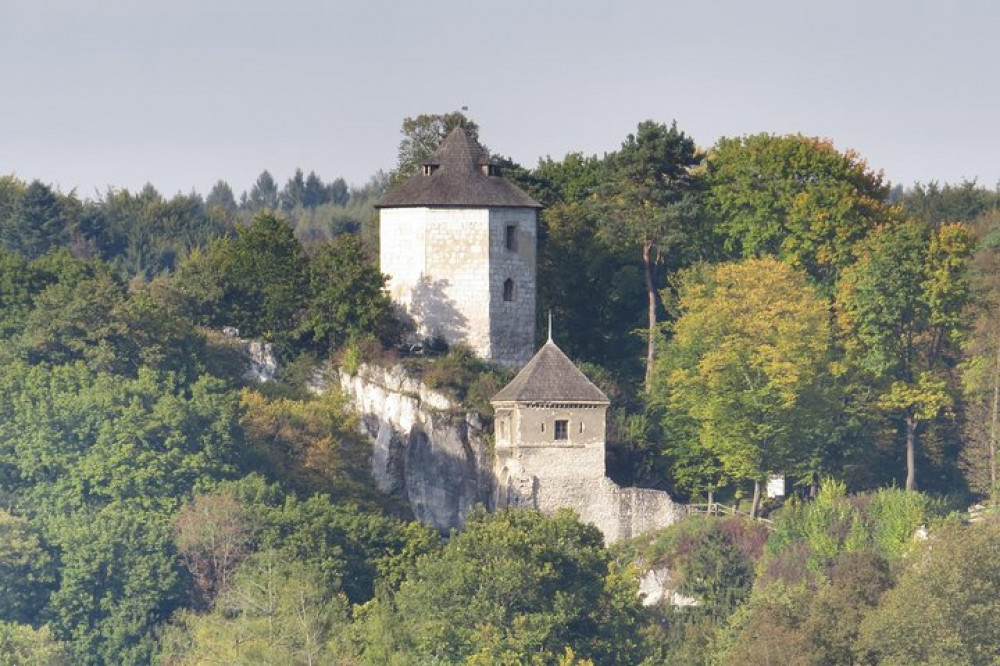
column 181, row 93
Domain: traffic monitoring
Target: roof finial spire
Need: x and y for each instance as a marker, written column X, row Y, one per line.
column 550, row 325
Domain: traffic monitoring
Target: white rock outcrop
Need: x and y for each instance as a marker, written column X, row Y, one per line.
column 425, row 448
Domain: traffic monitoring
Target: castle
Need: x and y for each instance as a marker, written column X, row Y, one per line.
column 458, row 243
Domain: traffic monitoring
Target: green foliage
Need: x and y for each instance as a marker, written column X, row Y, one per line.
column 818, row 532
column 515, row 584
column 744, row 381
column 768, row 630
column 19, row 283
column 256, row 282
column 63, row 310
column 814, row 624
column 267, row 272
column 710, row 559
column 350, row 547
column 143, row 235
column 979, row 367
column 98, row 462
column 118, row 580
column 276, row 612
column 27, row 570
column 903, row 308
column 23, row 645
column 75, row 439
column 648, row 204
column 944, row 608
column 593, row 289
column 935, row 204
column 466, row 378
column 38, row 219
column 263, row 194
column 793, row 197
column 422, row 136
column 347, row 296
column 856, row 583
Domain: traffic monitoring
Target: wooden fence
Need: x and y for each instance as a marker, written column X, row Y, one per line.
column 717, row 509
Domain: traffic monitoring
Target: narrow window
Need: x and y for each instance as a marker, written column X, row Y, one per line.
column 508, row 290
column 562, row 429
column 510, row 238
column 543, row 427
column 581, row 426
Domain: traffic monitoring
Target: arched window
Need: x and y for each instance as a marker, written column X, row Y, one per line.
column 509, row 290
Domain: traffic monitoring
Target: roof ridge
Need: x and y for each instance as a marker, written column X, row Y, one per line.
column 550, row 376
column 454, row 176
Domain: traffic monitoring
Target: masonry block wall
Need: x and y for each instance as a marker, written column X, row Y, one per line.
column 449, row 269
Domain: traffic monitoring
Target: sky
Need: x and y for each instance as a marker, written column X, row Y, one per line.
column 99, row 94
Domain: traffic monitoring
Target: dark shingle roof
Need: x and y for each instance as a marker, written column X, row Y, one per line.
column 457, row 179
column 550, row 377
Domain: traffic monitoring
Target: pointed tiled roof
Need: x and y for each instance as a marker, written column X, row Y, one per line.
column 550, row 377
column 457, row 178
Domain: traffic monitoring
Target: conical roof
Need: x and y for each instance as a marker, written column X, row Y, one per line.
column 458, row 178
column 550, row 377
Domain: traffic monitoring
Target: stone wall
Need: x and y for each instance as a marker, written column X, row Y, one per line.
column 512, row 333
column 447, row 268
column 620, row 513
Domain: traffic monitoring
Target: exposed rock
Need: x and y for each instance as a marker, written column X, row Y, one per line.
column 425, row 448
column 656, row 587
column 263, row 362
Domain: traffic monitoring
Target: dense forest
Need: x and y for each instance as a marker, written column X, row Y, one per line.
column 766, row 306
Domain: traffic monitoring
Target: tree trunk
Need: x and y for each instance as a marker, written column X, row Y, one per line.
column 755, row 507
column 647, row 262
column 911, row 457
column 994, row 417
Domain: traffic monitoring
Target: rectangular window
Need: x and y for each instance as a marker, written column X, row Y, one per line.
column 562, row 429
column 510, row 239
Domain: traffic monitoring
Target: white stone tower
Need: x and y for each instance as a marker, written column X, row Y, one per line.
column 458, row 243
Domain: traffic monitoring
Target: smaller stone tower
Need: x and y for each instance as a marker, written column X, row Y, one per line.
column 549, row 430
column 458, row 243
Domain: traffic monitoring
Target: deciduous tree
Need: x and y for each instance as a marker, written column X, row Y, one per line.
column 903, row 306
column 748, row 366
column 510, row 588
column 793, row 197
column 422, row 136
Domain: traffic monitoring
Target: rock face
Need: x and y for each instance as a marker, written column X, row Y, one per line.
column 262, row 364
column 656, row 586
column 425, row 448
column 432, row 453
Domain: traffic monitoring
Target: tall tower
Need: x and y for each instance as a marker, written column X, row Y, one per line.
column 458, row 243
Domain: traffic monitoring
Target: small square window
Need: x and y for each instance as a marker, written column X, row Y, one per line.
column 510, row 237
column 562, row 429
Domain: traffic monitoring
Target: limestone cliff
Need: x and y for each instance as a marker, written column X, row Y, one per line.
column 426, row 449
